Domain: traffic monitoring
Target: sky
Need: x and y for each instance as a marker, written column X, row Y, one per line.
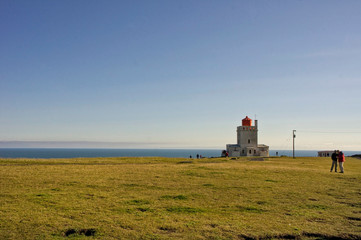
column 180, row 74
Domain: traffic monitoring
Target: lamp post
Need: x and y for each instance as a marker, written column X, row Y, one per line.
column 293, row 136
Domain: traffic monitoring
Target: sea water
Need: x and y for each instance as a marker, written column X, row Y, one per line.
column 102, row 152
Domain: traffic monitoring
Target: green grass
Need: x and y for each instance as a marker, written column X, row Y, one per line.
column 172, row 198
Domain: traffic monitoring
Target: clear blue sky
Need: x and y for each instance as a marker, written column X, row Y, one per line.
column 180, row 74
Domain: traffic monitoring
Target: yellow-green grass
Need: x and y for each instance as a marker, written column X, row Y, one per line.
column 172, row 198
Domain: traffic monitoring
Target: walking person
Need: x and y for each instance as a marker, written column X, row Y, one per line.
column 334, row 161
column 341, row 160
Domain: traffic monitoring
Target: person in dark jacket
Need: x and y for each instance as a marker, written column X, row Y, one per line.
column 334, row 160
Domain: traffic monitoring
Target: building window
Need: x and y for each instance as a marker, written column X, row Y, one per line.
column 254, row 151
column 242, row 151
column 249, row 140
column 250, row 151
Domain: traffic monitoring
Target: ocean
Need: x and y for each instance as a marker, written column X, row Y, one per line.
column 104, row 152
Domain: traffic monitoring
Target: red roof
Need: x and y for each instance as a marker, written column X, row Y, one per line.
column 247, row 121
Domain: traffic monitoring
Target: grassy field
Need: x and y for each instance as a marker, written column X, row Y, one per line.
column 165, row 198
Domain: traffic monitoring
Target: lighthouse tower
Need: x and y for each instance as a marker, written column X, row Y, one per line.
column 247, row 141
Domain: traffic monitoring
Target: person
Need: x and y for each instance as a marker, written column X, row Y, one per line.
column 334, row 161
column 223, row 153
column 341, row 160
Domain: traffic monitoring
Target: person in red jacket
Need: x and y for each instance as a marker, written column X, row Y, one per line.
column 341, row 160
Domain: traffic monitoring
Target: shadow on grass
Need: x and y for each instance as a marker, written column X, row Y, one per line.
column 250, row 209
column 185, row 210
column 176, row 197
column 138, row 202
column 87, row 232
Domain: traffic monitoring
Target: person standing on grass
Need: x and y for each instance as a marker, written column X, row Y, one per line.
column 341, row 160
column 334, row 161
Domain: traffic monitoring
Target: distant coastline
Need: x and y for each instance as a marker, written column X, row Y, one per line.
column 107, row 152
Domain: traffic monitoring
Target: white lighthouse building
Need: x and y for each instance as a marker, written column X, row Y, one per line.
column 247, row 141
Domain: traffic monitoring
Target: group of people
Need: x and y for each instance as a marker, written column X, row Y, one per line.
column 337, row 156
